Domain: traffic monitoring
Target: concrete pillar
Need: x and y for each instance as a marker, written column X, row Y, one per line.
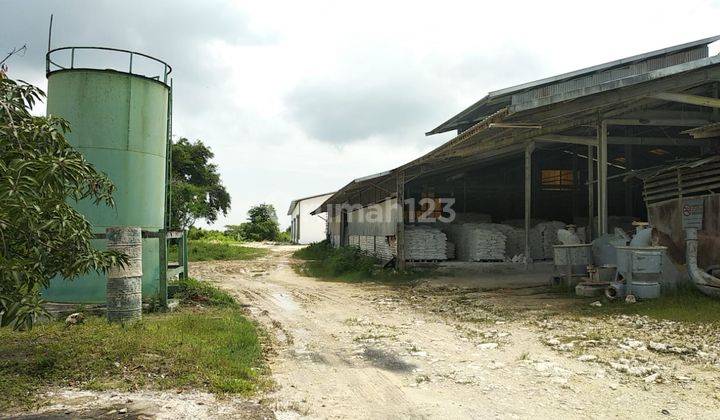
column 124, row 284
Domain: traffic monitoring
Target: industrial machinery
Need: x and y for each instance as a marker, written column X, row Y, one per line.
column 639, row 267
column 568, row 257
column 121, row 121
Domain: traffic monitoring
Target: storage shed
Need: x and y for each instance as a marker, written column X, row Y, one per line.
column 558, row 150
column 306, row 228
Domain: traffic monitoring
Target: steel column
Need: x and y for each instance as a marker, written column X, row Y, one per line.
column 162, row 291
column 602, row 178
column 628, row 184
column 591, row 192
column 528, row 198
column 400, row 234
column 186, row 273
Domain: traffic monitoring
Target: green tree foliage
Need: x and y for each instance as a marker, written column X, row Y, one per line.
column 41, row 235
column 197, row 192
column 235, row 232
column 284, row 236
column 262, row 225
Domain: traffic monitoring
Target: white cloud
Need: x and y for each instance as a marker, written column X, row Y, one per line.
column 298, row 98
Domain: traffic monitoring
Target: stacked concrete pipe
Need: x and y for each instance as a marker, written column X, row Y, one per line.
column 124, row 284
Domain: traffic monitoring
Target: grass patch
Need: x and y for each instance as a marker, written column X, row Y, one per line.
column 213, row 348
column 195, row 291
column 219, row 251
column 687, row 305
column 348, row 264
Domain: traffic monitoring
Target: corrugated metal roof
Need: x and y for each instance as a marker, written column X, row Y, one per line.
column 297, row 200
column 480, row 142
column 601, row 73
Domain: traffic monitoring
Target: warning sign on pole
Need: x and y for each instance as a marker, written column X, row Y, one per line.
column 692, row 213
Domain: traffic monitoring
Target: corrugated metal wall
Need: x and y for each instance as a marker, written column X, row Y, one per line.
column 334, row 228
column 667, row 218
column 376, row 220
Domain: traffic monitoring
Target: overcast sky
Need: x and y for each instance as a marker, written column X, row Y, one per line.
column 297, row 98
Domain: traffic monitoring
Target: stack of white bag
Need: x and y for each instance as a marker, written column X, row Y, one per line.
column 383, row 250
column 366, row 243
column 450, row 246
column 542, row 238
column 477, row 241
column 425, row 243
column 514, row 241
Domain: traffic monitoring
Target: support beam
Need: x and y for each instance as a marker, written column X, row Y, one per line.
column 684, row 98
column 528, row 199
column 602, row 178
column 634, row 141
column 515, row 125
column 591, row 192
column 659, row 122
column 400, row 234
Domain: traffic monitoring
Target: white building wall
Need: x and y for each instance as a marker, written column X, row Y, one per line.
column 309, row 228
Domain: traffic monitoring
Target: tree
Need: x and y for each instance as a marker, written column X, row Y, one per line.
column 197, row 192
column 235, row 232
column 41, row 235
column 262, row 224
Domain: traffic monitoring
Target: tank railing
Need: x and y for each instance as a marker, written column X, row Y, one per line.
column 167, row 69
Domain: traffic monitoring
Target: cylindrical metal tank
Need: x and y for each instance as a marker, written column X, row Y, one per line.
column 119, row 121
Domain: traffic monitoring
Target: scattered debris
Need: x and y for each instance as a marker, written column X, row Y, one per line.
column 596, row 304
column 75, row 319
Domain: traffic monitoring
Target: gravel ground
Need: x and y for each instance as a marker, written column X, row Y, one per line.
column 439, row 350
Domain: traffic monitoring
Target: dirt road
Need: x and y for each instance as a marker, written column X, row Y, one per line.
column 431, row 351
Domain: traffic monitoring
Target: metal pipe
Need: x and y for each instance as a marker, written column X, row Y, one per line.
column 705, row 282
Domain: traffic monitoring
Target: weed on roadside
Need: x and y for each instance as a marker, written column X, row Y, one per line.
column 348, row 264
column 211, row 346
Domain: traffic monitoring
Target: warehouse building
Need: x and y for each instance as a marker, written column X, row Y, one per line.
column 534, row 157
column 306, row 228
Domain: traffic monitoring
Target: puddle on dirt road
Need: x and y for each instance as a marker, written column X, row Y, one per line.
column 285, row 302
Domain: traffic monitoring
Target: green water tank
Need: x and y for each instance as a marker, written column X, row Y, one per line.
column 119, row 122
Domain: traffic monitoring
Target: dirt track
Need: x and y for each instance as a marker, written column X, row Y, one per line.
column 444, row 348
column 372, row 351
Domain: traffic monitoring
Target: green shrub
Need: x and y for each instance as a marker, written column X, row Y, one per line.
column 198, row 234
column 347, row 259
column 347, row 263
column 315, row 251
column 284, row 237
column 217, row 251
column 192, row 290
